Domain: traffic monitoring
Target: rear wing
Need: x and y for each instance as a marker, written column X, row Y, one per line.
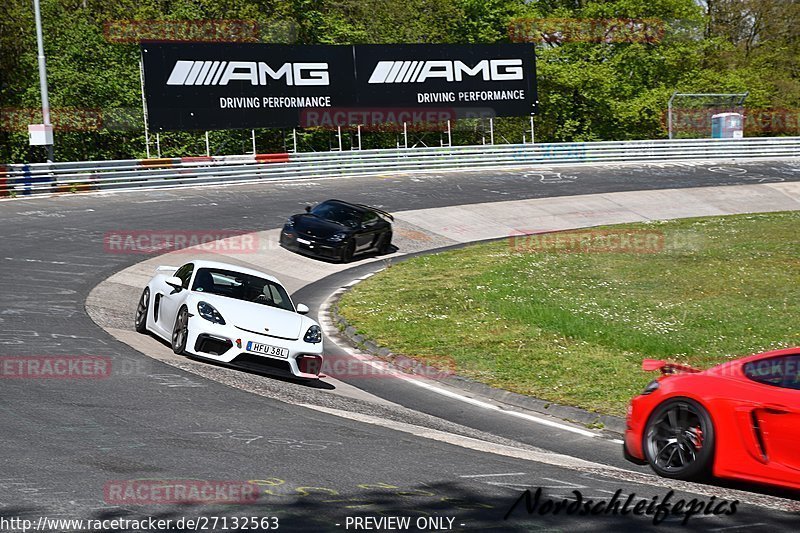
column 651, row 365
column 163, row 269
column 379, row 211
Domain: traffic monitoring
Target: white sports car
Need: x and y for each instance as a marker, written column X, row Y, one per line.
column 232, row 315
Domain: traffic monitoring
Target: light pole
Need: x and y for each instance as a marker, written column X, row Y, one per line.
column 47, row 139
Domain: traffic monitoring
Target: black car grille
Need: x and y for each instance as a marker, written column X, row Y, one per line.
column 212, row 345
column 262, row 364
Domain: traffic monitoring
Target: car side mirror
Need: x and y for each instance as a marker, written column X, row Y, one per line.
column 175, row 282
column 302, row 309
column 308, row 209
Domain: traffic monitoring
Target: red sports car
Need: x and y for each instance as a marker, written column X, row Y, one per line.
column 738, row 420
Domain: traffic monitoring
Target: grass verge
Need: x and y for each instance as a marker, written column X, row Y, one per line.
column 573, row 326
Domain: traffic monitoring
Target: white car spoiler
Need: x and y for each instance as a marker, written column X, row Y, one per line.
column 164, row 269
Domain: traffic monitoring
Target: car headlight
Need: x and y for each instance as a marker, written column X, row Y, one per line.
column 289, row 223
column 208, row 312
column 651, row 387
column 338, row 237
column 313, row 335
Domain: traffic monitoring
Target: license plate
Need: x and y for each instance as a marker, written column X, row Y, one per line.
column 266, row 349
column 303, row 241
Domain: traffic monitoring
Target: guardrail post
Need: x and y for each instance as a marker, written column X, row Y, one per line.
column 208, row 147
column 158, row 146
column 405, row 135
column 294, row 140
column 359, row 137
column 253, row 132
column 491, row 130
column 339, row 135
column 449, row 137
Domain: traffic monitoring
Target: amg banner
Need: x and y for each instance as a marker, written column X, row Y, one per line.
column 473, row 80
column 215, row 86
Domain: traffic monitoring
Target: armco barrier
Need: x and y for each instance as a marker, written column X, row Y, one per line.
column 4, row 185
column 76, row 176
column 200, row 159
column 272, row 158
column 161, row 162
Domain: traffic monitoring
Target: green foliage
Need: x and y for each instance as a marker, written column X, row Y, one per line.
column 588, row 90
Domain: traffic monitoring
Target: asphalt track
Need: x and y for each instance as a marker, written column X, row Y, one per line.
column 65, row 440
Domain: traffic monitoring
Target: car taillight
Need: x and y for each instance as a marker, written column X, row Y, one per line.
column 651, row 387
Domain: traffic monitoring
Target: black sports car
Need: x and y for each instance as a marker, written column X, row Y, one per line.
column 338, row 230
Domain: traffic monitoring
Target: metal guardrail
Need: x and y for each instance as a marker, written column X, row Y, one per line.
column 81, row 176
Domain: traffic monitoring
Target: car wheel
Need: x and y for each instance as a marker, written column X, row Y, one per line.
column 141, row 312
column 180, row 333
column 349, row 252
column 385, row 243
column 679, row 440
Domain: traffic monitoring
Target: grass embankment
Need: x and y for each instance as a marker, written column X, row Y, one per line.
column 573, row 328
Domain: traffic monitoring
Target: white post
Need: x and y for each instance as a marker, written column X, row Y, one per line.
column 253, row 132
column 449, row 136
column 208, row 146
column 43, row 77
column 294, row 140
column 405, row 135
column 144, row 109
column 158, row 145
column 491, row 130
column 532, row 129
column 359, row 137
column 339, row 134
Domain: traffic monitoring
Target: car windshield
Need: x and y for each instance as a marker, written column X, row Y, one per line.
column 241, row 286
column 338, row 213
